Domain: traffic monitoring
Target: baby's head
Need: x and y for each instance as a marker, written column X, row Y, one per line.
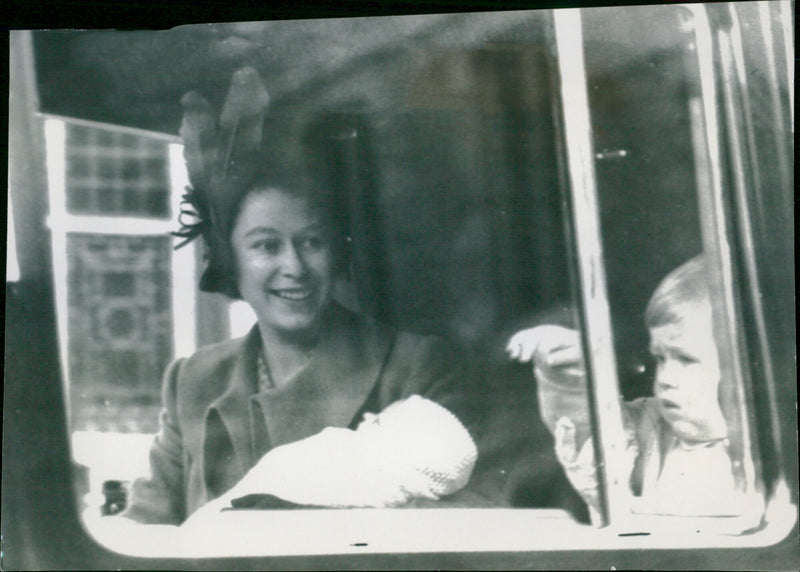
column 678, row 317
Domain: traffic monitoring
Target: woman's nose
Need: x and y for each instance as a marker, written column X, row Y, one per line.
column 292, row 263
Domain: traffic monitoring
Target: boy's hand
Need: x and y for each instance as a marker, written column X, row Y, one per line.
column 555, row 351
column 559, row 373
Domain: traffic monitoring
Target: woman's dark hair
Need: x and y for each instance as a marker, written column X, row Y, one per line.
column 245, row 177
column 235, row 151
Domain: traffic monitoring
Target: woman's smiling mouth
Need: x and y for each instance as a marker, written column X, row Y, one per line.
column 293, row 294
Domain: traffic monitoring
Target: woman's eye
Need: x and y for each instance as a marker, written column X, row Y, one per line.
column 312, row 243
column 271, row 246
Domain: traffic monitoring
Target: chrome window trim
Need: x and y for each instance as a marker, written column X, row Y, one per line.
column 597, row 335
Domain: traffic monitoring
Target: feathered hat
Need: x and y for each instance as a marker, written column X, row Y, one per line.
column 221, row 159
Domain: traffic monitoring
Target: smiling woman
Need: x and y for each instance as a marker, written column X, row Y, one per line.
column 285, row 262
column 246, row 417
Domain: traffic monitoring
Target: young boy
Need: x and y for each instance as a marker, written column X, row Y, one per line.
column 677, row 439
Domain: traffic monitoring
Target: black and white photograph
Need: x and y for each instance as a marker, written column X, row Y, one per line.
column 508, row 289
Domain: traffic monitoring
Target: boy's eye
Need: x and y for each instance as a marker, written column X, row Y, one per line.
column 661, row 359
column 686, row 359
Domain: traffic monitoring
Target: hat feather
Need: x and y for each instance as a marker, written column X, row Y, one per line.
column 198, row 130
column 211, row 149
column 241, row 120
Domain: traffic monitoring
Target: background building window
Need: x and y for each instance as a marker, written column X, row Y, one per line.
column 112, row 195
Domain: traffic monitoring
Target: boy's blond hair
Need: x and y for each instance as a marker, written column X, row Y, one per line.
column 681, row 291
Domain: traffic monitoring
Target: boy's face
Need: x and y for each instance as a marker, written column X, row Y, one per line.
column 688, row 375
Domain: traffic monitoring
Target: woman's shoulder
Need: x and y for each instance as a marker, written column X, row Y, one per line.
column 212, row 358
column 400, row 343
column 431, row 345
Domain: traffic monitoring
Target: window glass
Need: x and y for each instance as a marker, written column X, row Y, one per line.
column 119, row 329
column 687, row 406
column 646, row 186
column 116, row 173
column 449, row 174
column 116, row 280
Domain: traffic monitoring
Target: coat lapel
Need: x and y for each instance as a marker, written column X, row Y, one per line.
column 332, row 388
column 226, row 440
column 240, row 424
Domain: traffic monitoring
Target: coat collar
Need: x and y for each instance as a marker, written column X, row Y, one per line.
column 333, row 386
column 328, row 392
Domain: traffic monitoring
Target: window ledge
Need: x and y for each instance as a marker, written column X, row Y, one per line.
column 367, row 531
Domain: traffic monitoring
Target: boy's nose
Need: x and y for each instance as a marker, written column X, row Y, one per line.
column 667, row 376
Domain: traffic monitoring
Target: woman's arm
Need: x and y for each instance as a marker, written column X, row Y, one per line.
column 413, row 449
column 160, row 498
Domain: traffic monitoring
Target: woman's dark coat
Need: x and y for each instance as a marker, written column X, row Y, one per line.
column 215, row 424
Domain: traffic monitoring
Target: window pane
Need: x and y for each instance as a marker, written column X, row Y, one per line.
column 675, row 334
column 455, row 206
column 114, row 173
column 119, row 329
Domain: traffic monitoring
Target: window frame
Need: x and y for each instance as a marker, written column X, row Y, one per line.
column 722, row 138
column 62, row 223
column 600, row 542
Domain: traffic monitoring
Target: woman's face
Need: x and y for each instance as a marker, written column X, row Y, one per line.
column 284, row 261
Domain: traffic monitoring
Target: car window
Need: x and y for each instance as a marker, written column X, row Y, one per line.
column 499, row 172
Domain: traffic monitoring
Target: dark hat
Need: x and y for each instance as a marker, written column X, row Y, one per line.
column 222, row 161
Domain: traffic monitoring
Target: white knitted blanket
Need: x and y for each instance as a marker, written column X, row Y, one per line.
column 415, row 448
